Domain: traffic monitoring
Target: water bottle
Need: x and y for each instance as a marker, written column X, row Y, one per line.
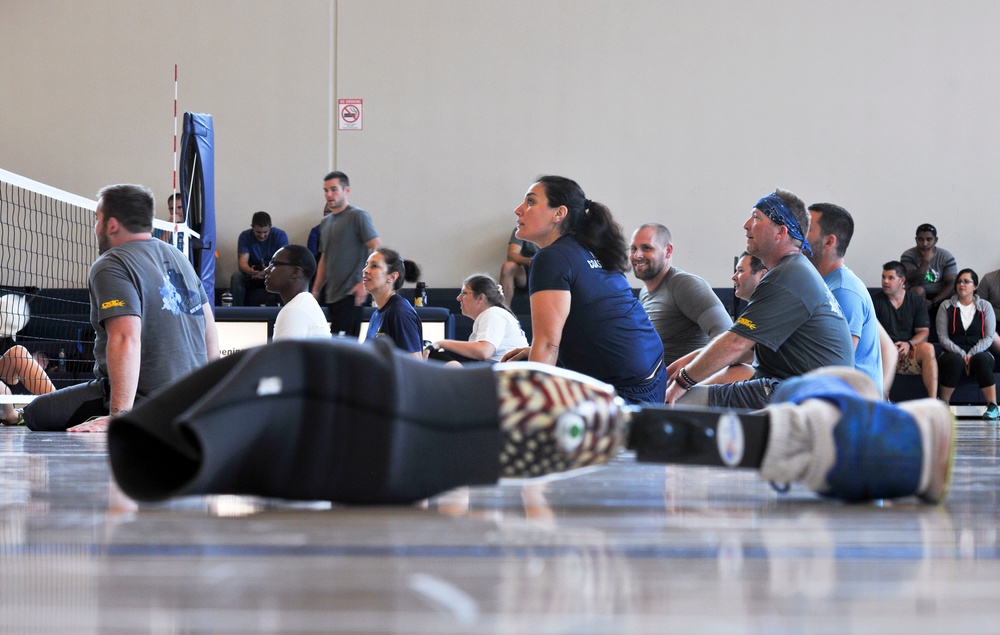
column 62, row 359
column 420, row 297
column 227, row 298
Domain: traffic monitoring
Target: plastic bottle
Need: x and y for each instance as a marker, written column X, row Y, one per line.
column 420, row 297
column 62, row 359
column 227, row 298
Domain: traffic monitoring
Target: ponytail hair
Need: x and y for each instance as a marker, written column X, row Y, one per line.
column 484, row 284
column 407, row 271
column 589, row 222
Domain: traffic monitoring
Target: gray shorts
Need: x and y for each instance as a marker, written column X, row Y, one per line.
column 750, row 394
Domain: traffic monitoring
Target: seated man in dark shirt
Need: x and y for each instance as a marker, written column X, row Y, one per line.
column 903, row 315
column 255, row 248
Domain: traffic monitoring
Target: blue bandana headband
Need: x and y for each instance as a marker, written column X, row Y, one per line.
column 778, row 212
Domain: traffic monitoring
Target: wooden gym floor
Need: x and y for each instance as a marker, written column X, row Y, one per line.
column 625, row 548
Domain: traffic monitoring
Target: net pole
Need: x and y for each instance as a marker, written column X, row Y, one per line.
column 175, row 146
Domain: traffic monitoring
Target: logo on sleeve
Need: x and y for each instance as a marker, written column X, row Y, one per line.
column 111, row 304
column 747, row 323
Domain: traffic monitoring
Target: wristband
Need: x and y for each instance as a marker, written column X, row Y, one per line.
column 685, row 380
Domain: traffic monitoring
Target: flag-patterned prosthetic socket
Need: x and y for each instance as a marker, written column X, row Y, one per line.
column 554, row 420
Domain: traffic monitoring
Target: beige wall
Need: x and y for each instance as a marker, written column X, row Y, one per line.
column 678, row 112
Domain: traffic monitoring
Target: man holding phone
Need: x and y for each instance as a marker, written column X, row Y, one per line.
column 254, row 250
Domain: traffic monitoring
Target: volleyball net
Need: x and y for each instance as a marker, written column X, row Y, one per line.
column 48, row 245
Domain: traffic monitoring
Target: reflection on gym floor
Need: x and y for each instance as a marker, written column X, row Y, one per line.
column 626, row 548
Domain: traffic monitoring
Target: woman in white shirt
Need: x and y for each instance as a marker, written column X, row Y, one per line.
column 495, row 330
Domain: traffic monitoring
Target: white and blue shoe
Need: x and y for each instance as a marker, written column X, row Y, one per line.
column 831, row 431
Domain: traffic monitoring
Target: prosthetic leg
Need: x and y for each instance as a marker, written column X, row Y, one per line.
column 365, row 424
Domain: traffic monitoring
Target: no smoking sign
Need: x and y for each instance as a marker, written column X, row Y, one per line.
column 350, row 114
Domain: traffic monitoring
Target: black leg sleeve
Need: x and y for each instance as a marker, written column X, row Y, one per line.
column 60, row 410
column 981, row 367
column 312, row 420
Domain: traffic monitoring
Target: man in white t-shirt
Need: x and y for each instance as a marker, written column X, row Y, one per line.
column 288, row 275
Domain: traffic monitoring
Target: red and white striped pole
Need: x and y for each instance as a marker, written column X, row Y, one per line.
column 175, row 146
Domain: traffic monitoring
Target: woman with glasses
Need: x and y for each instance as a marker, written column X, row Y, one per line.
column 288, row 275
column 495, row 329
column 965, row 327
column 584, row 315
column 393, row 318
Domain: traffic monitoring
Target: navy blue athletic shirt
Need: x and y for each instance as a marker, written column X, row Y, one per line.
column 607, row 334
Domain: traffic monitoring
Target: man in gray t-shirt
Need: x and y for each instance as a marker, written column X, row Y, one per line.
column 346, row 238
column 152, row 319
column 792, row 324
column 930, row 270
column 684, row 309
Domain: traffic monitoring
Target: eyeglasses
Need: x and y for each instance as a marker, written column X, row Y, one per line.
column 280, row 264
column 964, row 281
column 461, row 293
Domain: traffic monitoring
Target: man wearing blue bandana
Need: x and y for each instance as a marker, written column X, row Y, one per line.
column 791, row 326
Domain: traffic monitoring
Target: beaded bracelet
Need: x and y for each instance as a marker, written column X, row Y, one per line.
column 686, row 379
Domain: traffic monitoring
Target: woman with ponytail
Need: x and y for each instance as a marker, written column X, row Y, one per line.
column 583, row 313
column 393, row 318
column 495, row 329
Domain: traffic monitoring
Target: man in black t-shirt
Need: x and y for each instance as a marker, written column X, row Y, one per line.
column 903, row 314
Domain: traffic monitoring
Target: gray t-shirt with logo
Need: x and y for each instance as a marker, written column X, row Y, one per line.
column 154, row 281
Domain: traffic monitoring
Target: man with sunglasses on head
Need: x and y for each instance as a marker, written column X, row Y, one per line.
column 288, row 275
column 791, row 326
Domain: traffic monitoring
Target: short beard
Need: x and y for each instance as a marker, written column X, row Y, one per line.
column 103, row 243
column 650, row 272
